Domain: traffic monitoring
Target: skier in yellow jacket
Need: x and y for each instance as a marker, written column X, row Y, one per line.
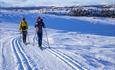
column 23, row 27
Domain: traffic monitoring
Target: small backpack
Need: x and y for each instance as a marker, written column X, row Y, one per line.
column 23, row 25
column 39, row 24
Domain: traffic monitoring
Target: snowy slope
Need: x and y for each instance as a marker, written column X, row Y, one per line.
column 74, row 45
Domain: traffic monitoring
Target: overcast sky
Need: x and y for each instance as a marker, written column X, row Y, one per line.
column 8, row 3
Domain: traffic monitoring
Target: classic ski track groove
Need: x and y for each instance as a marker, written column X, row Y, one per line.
column 24, row 63
column 67, row 59
column 31, row 62
column 71, row 59
column 3, row 55
column 3, row 58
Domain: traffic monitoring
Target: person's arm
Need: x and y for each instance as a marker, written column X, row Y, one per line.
column 35, row 25
column 20, row 27
column 43, row 25
column 36, row 28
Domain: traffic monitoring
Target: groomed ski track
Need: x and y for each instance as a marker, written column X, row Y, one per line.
column 25, row 63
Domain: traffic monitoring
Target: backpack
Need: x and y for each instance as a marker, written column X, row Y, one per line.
column 39, row 24
column 23, row 25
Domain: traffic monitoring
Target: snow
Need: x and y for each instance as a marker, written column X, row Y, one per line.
column 76, row 43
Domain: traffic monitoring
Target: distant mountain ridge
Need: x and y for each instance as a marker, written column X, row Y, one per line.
column 47, row 7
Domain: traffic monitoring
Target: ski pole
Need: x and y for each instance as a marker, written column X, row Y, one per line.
column 20, row 36
column 28, row 37
column 47, row 37
column 34, row 39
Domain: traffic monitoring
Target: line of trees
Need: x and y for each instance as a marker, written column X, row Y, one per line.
column 103, row 12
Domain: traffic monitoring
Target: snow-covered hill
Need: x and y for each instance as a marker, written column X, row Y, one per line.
column 77, row 43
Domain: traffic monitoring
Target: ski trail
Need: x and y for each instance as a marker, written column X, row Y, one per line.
column 75, row 65
column 28, row 59
column 64, row 60
column 71, row 59
column 20, row 56
column 4, row 61
column 3, row 57
column 16, row 55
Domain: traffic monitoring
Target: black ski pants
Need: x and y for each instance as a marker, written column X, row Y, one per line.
column 39, row 35
column 24, row 35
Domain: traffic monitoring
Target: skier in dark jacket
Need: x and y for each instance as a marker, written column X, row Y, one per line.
column 39, row 29
column 23, row 27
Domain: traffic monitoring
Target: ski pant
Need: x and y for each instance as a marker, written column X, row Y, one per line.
column 39, row 35
column 24, row 35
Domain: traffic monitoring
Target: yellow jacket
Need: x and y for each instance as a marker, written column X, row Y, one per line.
column 23, row 25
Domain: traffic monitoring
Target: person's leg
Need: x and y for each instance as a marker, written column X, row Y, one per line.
column 24, row 37
column 40, row 39
column 39, row 34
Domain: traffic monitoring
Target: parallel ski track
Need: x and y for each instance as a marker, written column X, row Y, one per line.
column 75, row 65
column 2, row 54
column 4, row 63
column 23, row 61
column 70, row 58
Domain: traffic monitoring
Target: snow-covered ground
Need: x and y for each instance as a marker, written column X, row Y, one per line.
column 77, row 43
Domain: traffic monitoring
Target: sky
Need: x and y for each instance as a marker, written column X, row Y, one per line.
column 23, row 3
